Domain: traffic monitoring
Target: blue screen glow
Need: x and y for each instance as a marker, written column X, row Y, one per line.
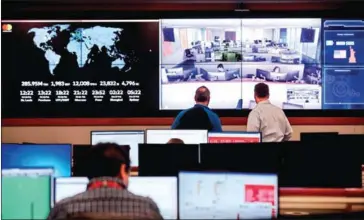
column 56, row 156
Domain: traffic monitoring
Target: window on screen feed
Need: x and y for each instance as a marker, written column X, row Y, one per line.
column 163, row 190
column 131, row 138
column 71, row 186
column 187, row 136
column 227, row 196
column 234, row 137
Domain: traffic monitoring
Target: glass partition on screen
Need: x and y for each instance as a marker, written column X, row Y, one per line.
column 26, row 193
column 69, row 186
column 166, row 136
column 234, row 137
column 131, row 138
column 230, row 56
column 227, row 196
column 57, row 156
column 163, row 190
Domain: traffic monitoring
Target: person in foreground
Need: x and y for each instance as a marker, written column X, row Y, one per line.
column 107, row 193
column 268, row 118
column 199, row 117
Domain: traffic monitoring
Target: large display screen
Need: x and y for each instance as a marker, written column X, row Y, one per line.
column 28, row 193
column 230, row 56
column 61, row 68
column 227, row 196
column 163, row 191
column 24, row 156
column 131, row 138
column 141, row 68
column 344, row 64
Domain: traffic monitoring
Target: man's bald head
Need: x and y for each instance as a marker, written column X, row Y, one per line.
column 202, row 95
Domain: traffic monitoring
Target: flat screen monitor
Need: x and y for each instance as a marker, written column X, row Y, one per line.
column 57, row 156
column 317, row 136
column 26, row 193
column 333, row 164
column 241, row 157
column 234, row 137
column 163, row 191
column 187, row 136
column 227, row 195
column 69, row 186
column 80, row 154
column 131, row 138
column 167, row 160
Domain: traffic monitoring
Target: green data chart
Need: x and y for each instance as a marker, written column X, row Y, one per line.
column 25, row 197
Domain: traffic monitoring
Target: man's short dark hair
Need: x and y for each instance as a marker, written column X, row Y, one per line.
column 105, row 159
column 175, row 141
column 261, row 90
column 202, row 94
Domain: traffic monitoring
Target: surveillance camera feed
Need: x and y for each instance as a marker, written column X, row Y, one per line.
column 230, row 56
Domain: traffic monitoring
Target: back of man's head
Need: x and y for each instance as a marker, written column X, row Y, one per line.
column 202, row 95
column 261, row 90
column 175, row 141
column 106, row 160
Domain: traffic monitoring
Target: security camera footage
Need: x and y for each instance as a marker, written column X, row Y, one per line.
column 230, row 56
column 77, row 68
column 135, row 68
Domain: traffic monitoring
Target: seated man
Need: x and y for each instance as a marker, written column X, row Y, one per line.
column 107, row 192
column 199, row 117
column 220, row 68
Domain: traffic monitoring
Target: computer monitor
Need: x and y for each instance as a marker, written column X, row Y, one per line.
column 57, row 156
column 131, row 138
column 204, row 195
column 187, row 136
column 317, row 136
column 167, row 159
column 26, row 193
column 332, row 164
column 69, row 186
column 163, row 190
column 80, row 166
column 234, row 137
column 241, row 157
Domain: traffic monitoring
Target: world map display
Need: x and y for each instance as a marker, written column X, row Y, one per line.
column 89, row 45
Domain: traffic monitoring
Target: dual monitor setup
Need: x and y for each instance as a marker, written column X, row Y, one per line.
column 308, row 63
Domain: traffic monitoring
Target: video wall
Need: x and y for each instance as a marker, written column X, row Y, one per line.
column 134, row 68
column 230, row 56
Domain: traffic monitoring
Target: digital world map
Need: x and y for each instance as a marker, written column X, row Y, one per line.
column 89, row 45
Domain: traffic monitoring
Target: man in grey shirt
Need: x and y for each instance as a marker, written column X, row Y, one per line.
column 267, row 118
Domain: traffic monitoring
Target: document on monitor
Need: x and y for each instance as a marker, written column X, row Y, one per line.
column 69, row 186
column 227, row 196
column 163, row 190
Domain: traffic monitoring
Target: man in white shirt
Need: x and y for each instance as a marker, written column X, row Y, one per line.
column 267, row 118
